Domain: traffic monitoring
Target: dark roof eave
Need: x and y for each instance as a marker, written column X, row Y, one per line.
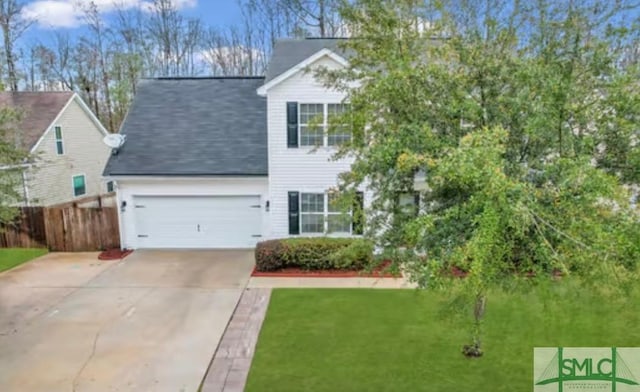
column 188, row 174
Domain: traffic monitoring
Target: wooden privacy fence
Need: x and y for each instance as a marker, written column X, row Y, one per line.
column 66, row 228
column 27, row 231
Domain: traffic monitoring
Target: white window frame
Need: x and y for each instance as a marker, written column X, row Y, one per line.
column 349, row 215
column 58, row 140
column 406, row 203
column 324, row 124
column 327, row 121
column 322, row 214
column 325, row 216
column 307, row 125
column 73, row 184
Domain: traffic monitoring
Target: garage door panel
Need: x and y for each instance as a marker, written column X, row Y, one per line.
column 197, row 222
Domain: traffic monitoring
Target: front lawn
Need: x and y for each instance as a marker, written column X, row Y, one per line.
column 398, row 340
column 11, row 257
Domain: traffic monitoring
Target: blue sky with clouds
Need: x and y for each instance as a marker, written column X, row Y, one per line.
column 65, row 14
column 52, row 16
column 216, row 12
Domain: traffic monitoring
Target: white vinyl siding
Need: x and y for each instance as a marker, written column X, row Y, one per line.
column 298, row 169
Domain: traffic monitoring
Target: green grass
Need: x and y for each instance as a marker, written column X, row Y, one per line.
column 11, row 257
column 401, row 340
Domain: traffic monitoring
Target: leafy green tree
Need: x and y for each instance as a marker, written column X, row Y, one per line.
column 517, row 124
column 12, row 159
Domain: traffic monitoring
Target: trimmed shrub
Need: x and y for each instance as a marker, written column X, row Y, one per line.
column 314, row 253
column 355, row 256
column 269, row 255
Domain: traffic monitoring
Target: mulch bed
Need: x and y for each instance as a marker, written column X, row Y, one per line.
column 114, row 254
column 380, row 271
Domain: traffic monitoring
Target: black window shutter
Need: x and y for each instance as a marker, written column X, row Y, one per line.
column 294, row 208
column 416, row 202
column 357, row 226
column 292, row 124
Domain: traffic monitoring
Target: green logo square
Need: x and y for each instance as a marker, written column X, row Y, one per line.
column 602, row 369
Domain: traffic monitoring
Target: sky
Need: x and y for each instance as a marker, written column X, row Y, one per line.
column 65, row 14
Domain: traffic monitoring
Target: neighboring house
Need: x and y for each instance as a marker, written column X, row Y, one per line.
column 64, row 139
column 226, row 162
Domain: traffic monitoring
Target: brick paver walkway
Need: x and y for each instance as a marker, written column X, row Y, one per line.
column 230, row 366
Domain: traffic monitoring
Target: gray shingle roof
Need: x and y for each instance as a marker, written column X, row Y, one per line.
column 289, row 52
column 194, row 126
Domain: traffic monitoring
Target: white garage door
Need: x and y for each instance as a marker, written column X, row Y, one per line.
column 197, row 222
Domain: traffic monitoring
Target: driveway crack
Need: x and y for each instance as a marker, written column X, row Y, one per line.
column 86, row 362
column 76, row 379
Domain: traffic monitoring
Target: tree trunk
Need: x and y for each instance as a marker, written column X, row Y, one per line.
column 12, row 77
column 321, row 18
column 13, row 24
column 474, row 350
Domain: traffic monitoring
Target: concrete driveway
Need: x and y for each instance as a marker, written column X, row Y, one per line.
column 152, row 322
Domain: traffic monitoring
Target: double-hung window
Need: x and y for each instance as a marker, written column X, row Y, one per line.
column 337, row 220
column 312, row 212
column 320, row 214
column 408, row 203
column 338, row 133
column 316, row 126
column 59, row 145
column 311, row 124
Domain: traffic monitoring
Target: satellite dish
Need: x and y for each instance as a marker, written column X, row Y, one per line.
column 114, row 140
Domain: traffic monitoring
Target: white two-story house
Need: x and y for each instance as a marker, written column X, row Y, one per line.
column 227, row 162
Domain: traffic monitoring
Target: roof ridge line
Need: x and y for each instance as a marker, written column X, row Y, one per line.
column 253, row 77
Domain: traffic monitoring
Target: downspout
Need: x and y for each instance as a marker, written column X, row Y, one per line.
column 25, row 188
column 121, row 208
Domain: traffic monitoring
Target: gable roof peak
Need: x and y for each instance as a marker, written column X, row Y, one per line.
column 289, row 52
column 38, row 110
